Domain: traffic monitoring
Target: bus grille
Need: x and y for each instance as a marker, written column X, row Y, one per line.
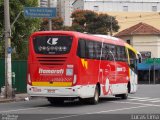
column 51, row 60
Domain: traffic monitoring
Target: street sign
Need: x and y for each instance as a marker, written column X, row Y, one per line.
column 9, row 50
column 152, row 61
column 39, row 12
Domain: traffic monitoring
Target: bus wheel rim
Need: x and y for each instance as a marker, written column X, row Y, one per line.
column 96, row 95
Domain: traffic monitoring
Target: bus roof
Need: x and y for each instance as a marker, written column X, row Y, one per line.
column 98, row 37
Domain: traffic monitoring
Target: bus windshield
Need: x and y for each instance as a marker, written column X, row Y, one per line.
column 52, row 44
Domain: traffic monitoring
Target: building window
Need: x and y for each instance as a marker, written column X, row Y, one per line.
column 125, row 8
column 96, row 8
column 128, row 41
column 154, row 8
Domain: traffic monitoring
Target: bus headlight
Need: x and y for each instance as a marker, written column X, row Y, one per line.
column 69, row 72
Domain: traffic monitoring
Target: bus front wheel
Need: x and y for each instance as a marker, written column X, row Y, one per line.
column 95, row 98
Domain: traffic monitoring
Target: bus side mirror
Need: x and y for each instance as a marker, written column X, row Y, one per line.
column 139, row 58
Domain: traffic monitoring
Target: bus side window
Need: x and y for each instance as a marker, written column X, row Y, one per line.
column 112, row 53
column 105, row 52
column 90, row 50
column 132, row 57
column 93, row 49
column 81, row 51
column 97, row 48
column 121, row 54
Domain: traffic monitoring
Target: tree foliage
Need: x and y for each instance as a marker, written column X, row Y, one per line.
column 92, row 22
column 22, row 28
column 57, row 24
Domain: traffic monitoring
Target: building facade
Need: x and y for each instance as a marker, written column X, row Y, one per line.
column 64, row 10
column 118, row 5
column 145, row 38
column 44, row 3
column 127, row 12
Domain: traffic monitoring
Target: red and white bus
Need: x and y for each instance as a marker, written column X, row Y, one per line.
column 69, row 65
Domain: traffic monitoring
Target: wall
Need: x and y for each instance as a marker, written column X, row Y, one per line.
column 138, row 11
column 79, row 4
column 65, row 10
column 145, row 43
column 114, row 6
column 128, row 19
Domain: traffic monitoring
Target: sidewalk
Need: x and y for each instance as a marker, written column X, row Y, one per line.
column 18, row 97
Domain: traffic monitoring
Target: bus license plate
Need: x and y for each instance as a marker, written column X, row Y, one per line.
column 51, row 91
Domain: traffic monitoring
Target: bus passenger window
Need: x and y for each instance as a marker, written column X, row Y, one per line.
column 81, row 51
column 93, row 49
column 90, row 49
column 97, row 48
column 121, row 54
column 105, row 52
column 112, row 53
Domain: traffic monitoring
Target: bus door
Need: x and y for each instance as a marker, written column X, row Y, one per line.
column 121, row 69
column 133, row 71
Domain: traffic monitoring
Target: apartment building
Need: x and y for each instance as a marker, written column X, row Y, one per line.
column 127, row 12
column 44, row 3
column 118, row 5
column 64, row 10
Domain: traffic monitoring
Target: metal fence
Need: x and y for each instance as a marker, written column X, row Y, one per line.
column 19, row 68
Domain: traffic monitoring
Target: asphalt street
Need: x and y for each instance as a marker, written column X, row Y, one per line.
column 145, row 104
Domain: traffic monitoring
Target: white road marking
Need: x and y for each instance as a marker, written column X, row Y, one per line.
column 149, row 100
column 21, row 109
column 137, row 103
column 145, row 99
column 114, row 110
column 138, row 98
column 155, row 101
column 63, row 117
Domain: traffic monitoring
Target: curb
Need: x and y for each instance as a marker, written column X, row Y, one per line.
column 15, row 99
column 6, row 100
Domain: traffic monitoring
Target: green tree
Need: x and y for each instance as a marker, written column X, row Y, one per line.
column 57, row 24
column 94, row 23
column 22, row 28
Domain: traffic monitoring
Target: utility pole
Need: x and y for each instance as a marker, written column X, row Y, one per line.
column 111, row 27
column 50, row 20
column 8, row 69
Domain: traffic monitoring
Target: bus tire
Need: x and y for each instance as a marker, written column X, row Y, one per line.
column 122, row 96
column 95, row 99
column 129, row 87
